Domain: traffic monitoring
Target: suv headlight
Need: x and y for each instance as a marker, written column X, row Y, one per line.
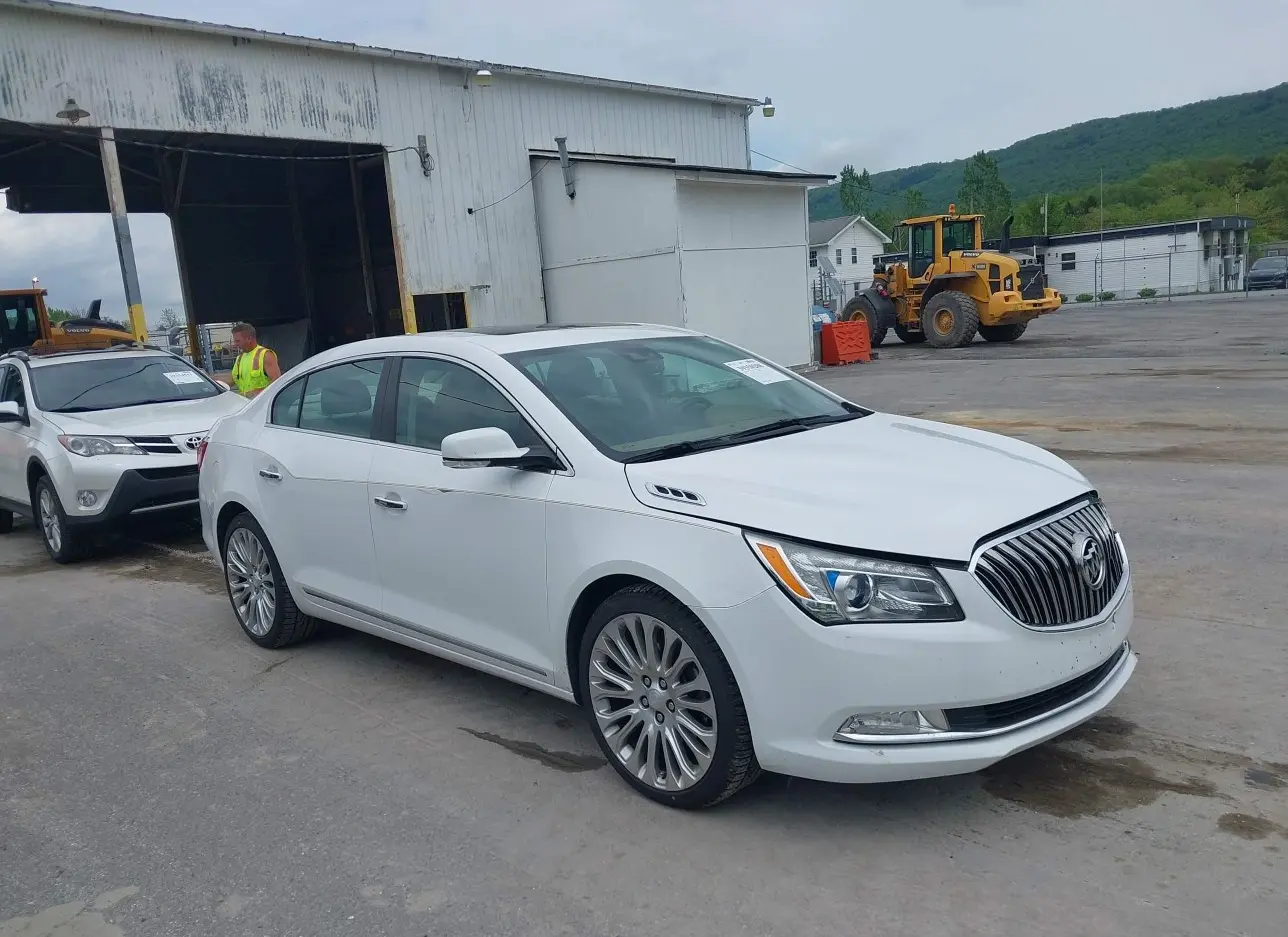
column 841, row 588
column 99, row 445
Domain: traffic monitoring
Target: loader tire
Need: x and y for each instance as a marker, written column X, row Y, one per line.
column 1002, row 333
column 909, row 338
column 950, row 319
column 860, row 309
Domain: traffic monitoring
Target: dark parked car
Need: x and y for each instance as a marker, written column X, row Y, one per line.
column 1269, row 273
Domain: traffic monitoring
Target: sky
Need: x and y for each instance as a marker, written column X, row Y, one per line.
column 845, row 78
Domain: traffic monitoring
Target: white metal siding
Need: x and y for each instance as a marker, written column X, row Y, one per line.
column 1130, row 264
column 741, row 265
column 133, row 77
column 609, row 255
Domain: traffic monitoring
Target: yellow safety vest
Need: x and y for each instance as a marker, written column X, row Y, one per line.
column 248, row 371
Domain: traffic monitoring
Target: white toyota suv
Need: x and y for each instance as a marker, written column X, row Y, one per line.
column 88, row 438
column 664, row 528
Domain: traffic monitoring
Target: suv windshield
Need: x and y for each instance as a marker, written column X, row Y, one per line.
column 1271, row 263
column 75, row 386
column 654, row 398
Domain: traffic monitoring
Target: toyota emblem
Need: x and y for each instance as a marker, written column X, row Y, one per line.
column 1089, row 558
column 192, row 442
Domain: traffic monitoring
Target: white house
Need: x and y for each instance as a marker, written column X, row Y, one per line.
column 848, row 244
column 1200, row 255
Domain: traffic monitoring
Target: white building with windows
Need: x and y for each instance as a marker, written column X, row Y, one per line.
column 1201, row 255
column 848, row 244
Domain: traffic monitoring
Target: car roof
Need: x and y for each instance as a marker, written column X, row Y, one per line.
column 500, row 340
column 97, row 354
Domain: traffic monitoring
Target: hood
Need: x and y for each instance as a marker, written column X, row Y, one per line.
column 155, row 419
column 882, row 483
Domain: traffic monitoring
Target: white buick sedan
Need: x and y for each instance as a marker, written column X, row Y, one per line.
column 728, row 567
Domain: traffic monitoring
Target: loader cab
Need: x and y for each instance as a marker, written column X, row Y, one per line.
column 21, row 312
column 932, row 238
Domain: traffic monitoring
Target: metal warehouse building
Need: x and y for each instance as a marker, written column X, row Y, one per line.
column 328, row 191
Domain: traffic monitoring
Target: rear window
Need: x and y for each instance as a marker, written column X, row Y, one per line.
column 83, row 385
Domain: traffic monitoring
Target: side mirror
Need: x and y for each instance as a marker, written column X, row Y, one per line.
column 10, row 412
column 224, row 385
column 491, row 446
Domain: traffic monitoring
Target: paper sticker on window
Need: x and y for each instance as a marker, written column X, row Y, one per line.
column 757, row 371
column 184, row 377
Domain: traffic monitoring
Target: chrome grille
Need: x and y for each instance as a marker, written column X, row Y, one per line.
column 156, row 445
column 1034, row 576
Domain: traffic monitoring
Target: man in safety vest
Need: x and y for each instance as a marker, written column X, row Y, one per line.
column 256, row 367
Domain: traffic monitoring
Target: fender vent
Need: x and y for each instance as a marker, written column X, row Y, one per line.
column 675, row 494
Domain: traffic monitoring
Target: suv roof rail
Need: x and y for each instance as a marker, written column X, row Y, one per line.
column 19, row 353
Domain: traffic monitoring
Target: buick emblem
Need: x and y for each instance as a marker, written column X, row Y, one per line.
column 192, row 442
column 1089, row 559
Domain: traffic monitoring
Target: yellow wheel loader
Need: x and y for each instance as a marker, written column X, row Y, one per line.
column 24, row 323
column 947, row 288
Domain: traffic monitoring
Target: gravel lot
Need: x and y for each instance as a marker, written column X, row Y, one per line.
column 159, row 774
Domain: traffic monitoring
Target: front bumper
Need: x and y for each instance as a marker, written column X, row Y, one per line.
column 1009, row 307
column 801, row 681
column 139, row 492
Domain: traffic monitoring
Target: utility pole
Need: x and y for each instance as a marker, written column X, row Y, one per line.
column 1046, row 214
column 1102, row 234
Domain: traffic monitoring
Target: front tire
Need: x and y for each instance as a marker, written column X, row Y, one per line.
column 662, row 702
column 859, row 309
column 950, row 319
column 63, row 543
column 257, row 589
column 1002, row 333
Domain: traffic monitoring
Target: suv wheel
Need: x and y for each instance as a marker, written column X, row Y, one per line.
column 63, row 542
column 257, row 589
column 662, row 701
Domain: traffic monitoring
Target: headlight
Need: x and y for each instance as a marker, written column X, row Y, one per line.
column 840, row 588
column 99, row 445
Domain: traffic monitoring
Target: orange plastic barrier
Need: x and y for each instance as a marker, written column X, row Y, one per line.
column 846, row 342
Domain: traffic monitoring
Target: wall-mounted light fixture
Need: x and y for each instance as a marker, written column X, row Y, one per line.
column 72, row 112
column 766, row 107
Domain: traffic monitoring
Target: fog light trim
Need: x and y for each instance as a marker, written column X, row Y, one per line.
column 877, row 727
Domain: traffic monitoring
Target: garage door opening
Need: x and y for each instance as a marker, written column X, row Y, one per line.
column 293, row 236
column 438, row 311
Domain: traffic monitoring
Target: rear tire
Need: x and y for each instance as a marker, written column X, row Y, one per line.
column 6, row 522
column 860, row 309
column 257, row 589
column 63, row 543
column 909, row 338
column 950, row 319
column 1002, row 333
column 686, row 744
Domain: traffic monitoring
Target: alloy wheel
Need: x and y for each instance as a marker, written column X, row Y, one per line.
column 250, row 581
column 652, row 702
column 49, row 522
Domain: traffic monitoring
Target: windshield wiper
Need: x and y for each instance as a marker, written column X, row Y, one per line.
column 75, row 409
column 763, row 431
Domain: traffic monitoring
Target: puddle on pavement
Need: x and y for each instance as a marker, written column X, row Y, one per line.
column 570, row 762
column 1271, row 777
column 167, row 568
column 1105, row 733
column 1064, row 783
column 1246, row 826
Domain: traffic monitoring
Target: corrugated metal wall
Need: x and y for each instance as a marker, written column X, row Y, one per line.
column 132, row 77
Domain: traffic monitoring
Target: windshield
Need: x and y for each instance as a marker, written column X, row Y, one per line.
column 652, row 398
column 959, row 236
column 108, row 383
column 1271, row 263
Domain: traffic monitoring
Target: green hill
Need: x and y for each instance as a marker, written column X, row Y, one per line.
column 1241, row 125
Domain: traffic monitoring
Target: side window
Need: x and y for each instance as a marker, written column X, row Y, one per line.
column 437, row 398
column 11, row 387
column 341, row 399
column 286, row 405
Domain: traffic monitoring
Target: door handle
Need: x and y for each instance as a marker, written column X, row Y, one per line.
column 271, row 476
column 391, row 503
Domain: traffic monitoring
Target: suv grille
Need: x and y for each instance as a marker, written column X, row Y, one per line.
column 156, row 445
column 1034, row 574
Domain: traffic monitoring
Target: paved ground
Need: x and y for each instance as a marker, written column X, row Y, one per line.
column 161, row 775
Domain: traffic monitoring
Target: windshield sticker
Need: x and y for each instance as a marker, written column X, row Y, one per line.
column 184, row 377
column 757, row 371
